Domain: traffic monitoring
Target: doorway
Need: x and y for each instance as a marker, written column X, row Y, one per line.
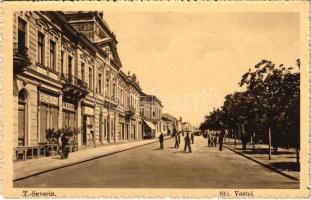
column 84, row 129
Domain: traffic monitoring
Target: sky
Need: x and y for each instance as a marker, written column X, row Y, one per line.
column 192, row 60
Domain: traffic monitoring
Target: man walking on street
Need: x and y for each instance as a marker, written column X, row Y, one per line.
column 221, row 137
column 176, row 140
column 192, row 138
column 187, row 143
column 161, row 138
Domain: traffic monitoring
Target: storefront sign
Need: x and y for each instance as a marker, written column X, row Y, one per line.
column 68, row 106
column 48, row 99
column 87, row 110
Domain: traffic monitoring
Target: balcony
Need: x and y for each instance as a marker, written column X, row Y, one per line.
column 74, row 88
column 21, row 58
column 130, row 112
column 110, row 102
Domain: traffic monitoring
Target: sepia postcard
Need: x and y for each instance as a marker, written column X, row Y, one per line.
column 155, row 99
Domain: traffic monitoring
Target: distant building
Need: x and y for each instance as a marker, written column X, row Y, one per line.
column 169, row 123
column 187, row 127
column 179, row 125
column 151, row 112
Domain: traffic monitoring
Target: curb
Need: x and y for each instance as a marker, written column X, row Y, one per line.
column 262, row 164
column 82, row 161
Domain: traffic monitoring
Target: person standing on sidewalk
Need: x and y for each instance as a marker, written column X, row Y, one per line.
column 187, row 143
column 161, row 139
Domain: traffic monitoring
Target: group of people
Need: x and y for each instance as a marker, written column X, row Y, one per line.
column 215, row 137
column 189, row 139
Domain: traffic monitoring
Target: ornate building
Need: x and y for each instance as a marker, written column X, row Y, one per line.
column 67, row 73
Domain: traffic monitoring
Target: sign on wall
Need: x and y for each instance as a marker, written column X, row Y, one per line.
column 46, row 98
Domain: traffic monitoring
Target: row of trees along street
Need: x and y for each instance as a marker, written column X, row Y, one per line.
column 267, row 112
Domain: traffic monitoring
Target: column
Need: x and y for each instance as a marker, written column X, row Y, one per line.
column 79, row 122
column 60, row 111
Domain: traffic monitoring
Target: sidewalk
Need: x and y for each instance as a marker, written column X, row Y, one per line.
column 24, row 169
column 284, row 162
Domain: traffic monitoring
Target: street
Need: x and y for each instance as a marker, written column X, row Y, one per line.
column 150, row 167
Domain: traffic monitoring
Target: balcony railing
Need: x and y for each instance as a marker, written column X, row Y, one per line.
column 21, row 58
column 76, row 82
column 130, row 111
column 74, row 88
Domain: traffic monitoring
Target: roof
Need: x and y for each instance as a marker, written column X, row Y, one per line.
column 169, row 117
column 152, row 98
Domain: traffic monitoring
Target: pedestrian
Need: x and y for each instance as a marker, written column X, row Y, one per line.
column 187, row 143
column 176, row 140
column 221, row 137
column 192, row 138
column 161, row 138
column 65, row 147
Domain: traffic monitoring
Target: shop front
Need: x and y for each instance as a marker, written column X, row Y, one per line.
column 88, row 132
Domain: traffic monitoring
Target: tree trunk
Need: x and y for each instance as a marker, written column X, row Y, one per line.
column 297, row 155
column 269, row 143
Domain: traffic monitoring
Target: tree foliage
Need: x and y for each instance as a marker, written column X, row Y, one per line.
column 271, row 100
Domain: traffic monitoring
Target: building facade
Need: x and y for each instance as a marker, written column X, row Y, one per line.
column 67, row 74
column 187, row 127
column 151, row 112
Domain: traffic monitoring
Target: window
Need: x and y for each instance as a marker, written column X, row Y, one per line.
column 69, row 66
column 48, row 119
column 153, row 112
column 100, row 83
column 40, row 48
column 82, row 71
column 62, row 63
column 90, row 78
column 52, row 55
column 22, row 34
column 107, row 85
column 68, row 119
column 22, row 113
column 105, row 128
column 114, row 91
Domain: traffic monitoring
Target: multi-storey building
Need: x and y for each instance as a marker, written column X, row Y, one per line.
column 169, row 123
column 67, row 73
column 151, row 111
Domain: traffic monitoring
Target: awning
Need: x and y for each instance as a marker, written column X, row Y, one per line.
column 151, row 125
